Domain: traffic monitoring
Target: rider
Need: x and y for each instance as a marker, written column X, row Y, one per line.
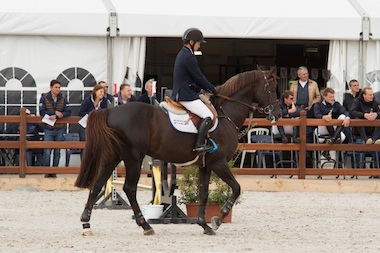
column 188, row 78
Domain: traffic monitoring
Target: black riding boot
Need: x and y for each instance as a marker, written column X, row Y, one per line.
column 202, row 145
column 281, row 130
column 336, row 136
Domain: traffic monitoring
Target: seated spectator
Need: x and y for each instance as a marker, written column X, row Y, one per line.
column 366, row 107
column 288, row 110
column 109, row 97
column 34, row 130
column 125, row 94
column 148, row 97
column 328, row 109
column 349, row 97
column 95, row 101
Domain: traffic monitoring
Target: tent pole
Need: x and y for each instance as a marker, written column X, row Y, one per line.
column 112, row 33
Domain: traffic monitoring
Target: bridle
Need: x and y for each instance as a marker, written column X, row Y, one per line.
column 268, row 109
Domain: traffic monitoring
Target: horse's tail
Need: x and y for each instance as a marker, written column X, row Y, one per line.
column 102, row 143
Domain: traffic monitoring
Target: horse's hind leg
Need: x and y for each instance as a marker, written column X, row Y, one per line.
column 130, row 188
column 92, row 197
column 204, row 178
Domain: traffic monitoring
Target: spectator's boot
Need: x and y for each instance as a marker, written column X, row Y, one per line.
column 336, row 136
column 331, row 131
column 284, row 139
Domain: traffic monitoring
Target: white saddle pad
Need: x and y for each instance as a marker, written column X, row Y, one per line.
column 182, row 123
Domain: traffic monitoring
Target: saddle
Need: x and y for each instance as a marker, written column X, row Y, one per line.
column 176, row 108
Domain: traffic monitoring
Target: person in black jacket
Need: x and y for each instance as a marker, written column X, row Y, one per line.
column 97, row 100
column 188, row 78
column 366, row 107
column 329, row 109
column 288, row 110
column 349, row 97
column 148, row 97
column 54, row 105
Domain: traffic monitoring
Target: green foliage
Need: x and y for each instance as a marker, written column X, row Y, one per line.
column 189, row 185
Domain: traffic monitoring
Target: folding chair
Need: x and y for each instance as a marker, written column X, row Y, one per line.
column 251, row 132
column 69, row 152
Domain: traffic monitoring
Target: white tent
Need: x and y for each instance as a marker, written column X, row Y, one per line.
column 47, row 38
column 270, row 19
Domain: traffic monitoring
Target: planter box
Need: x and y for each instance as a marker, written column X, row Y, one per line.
column 211, row 211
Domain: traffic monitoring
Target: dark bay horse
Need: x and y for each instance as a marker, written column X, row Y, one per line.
column 131, row 131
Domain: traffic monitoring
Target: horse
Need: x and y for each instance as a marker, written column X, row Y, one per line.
column 129, row 132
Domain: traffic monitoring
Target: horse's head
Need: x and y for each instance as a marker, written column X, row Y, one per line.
column 255, row 90
column 268, row 101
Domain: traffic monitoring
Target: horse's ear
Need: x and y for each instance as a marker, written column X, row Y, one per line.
column 273, row 70
column 258, row 67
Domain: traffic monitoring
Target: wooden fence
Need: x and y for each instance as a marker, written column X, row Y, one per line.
column 23, row 144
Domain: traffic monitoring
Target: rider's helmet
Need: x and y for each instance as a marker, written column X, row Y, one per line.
column 193, row 34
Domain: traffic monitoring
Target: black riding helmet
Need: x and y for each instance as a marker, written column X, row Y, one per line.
column 193, row 34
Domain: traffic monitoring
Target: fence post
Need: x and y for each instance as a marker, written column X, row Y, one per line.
column 22, row 149
column 302, row 150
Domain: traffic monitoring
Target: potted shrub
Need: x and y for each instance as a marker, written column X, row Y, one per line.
column 219, row 192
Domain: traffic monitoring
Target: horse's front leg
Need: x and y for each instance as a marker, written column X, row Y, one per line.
column 225, row 173
column 92, row 198
column 204, row 180
column 130, row 188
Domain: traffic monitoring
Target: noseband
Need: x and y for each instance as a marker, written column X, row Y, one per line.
column 268, row 110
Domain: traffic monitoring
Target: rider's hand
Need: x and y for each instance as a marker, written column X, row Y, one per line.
column 215, row 91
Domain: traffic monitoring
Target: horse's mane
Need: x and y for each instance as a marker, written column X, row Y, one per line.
column 235, row 84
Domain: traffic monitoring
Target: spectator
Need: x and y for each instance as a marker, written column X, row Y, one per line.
column 366, row 107
column 328, row 109
column 288, row 110
column 108, row 96
column 306, row 91
column 148, row 97
column 33, row 131
column 125, row 94
column 55, row 105
column 349, row 97
column 92, row 102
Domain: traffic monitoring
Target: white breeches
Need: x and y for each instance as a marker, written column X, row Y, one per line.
column 198, row 107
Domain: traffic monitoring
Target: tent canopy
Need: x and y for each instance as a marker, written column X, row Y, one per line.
column 270, row 19
column 53, row 17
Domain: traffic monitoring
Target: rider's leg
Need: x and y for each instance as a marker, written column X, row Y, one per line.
column 199, row 108
column 202, row 145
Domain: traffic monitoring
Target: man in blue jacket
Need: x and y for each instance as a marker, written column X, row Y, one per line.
column 55, row 105
column 188, row 79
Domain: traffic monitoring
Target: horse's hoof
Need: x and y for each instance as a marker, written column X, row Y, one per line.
column 215, row 222
column 149, row 232
column 87, row 232
column 209, row 232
